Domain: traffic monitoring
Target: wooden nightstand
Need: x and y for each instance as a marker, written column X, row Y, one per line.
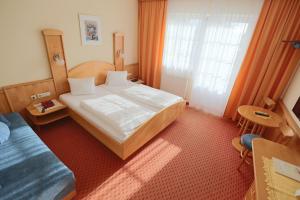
column 50, row 115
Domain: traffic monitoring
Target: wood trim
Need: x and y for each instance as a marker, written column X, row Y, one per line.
column 70, row 196
column 26, row 83
column 15, row 98
column 118, row 47
column 4, row 104
column 288, row 117
column 50, row 31
column 152, row 127
column 54, row 45
column 142, row 134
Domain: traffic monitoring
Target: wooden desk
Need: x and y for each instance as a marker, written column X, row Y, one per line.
column 259, row 122
column 269, row 149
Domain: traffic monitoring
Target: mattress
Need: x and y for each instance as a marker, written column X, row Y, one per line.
column 74, row 103
column 28, row 169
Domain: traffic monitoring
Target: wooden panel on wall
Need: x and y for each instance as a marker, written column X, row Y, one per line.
column 118, row 39
column 19, row 95
column 56, row 56
column 133, row 70
column 4, row 106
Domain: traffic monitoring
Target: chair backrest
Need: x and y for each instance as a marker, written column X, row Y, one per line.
column 286, row 130
column 269, row 103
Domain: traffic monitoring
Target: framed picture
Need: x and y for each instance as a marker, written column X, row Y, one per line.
column 90, row 30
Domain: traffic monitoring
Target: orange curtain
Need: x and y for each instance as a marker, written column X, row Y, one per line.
column 270, row 61
column 152, row 24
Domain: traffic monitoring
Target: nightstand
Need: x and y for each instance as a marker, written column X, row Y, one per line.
column 38, row 118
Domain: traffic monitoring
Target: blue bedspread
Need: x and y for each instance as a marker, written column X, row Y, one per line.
column 28, row 169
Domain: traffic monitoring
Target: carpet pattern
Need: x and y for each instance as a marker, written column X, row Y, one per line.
column 191, row 159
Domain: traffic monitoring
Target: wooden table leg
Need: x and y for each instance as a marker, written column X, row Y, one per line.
column 240, row 122
column 245, row 127
column 254, row 128
column 242, row 126
column 262, row 130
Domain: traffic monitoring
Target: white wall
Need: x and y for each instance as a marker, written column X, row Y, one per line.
column 292, row 94
column 22, row 50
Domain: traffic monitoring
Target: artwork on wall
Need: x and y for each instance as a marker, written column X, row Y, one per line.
column 90, row 30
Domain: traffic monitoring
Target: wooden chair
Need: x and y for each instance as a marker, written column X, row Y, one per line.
column 286, row 134
column 267, row 103
column 246, row 141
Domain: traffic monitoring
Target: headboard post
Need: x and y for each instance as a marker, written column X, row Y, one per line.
column 57, row 61
column 119, row 51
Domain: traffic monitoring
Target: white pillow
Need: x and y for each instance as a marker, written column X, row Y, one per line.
column 118, row 78
column 81, row 86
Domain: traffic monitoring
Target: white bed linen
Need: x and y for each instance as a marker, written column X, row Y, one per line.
column 74, row 103
column 119, row 112
column 146, row 95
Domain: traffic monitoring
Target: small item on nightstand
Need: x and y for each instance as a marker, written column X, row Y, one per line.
column 47, row 104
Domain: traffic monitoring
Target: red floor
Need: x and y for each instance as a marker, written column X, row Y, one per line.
column 191, row 159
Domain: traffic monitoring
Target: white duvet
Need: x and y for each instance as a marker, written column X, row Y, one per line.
column 151, row 96
column 119, row 112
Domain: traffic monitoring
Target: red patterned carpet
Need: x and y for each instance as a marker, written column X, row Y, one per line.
column 191, row 159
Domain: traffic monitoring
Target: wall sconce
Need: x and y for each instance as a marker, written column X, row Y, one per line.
column 120, row 53
column 295, row 43
column 58, row 60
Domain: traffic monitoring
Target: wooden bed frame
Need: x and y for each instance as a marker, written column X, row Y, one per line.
column 70, row 195
column 142, row 134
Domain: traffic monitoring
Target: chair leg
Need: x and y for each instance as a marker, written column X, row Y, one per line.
column 240, row 122
column 245, row 153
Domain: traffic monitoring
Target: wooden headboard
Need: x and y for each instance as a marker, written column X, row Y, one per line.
column 97, row 69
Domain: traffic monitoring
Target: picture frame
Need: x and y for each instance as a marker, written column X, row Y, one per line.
column 90, row 30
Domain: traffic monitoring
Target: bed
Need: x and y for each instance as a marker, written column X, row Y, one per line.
column 28, row 169
column 122, row 145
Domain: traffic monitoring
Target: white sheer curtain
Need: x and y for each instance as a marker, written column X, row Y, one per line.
column 204, row 46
